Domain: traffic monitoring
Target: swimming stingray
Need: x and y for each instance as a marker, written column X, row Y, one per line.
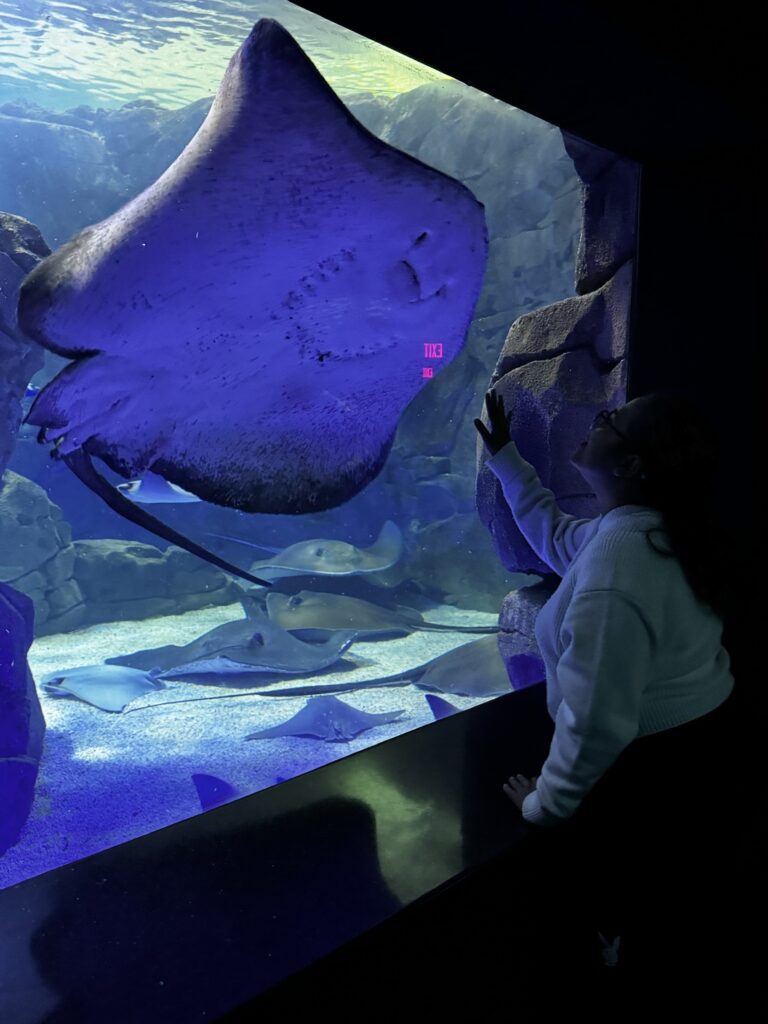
column 108, row 687
column 328, row 718
column 319, row 557
column 310, row 614
column 251, row 326
column 255, row 643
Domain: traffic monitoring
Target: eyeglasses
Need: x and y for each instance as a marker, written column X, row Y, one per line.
column 605, row 417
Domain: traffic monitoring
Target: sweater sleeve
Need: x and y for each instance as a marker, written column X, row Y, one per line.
column 555, row 536
column 602, row 673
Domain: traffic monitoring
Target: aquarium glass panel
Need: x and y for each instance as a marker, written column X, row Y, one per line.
column 244, row 340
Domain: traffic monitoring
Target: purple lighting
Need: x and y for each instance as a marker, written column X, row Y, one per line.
column 266, row 366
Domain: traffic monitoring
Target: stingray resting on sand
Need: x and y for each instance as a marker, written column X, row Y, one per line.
column 328, row 718
column 255, row 643
column 109, row 687
column 251, row 326
column 476, row 669
column 310, row 614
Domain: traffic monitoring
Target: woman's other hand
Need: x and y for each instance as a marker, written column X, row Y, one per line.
column 517, row 788
column 498, row 436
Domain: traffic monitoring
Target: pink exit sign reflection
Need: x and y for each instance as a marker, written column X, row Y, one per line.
column 432, row 350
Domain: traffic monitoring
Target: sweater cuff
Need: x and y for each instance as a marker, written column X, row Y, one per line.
column 508, row 461
column 535, row 814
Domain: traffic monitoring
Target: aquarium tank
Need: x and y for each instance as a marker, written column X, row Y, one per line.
column 257, row 273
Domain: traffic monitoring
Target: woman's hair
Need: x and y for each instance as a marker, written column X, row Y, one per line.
column 680, row 455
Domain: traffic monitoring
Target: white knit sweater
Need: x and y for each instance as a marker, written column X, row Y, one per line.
column 628, row 648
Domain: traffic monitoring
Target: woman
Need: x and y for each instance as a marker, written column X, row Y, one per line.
column 638, row 682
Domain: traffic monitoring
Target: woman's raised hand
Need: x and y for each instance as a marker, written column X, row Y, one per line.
column 498, row 436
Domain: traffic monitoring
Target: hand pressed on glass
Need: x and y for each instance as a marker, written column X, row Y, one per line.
column 517, row 788
column 499, row 435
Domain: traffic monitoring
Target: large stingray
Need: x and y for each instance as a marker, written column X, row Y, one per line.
column 320, row 557
column 310, row 614
column 327, row 719
column 108, row 687
column 252, row 325
column 256, row 643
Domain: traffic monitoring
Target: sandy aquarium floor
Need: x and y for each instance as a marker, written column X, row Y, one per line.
column 106, row 778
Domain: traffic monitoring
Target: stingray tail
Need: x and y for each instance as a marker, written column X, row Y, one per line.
column 446, row 627
column 80, row 464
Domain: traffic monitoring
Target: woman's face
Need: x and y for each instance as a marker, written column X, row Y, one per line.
column 603, row 448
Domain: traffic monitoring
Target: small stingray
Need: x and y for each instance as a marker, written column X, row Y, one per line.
column 330, row 719
column 320, row 557
column 256, row 643
column 310, row 614
column 153, row 490
column 108, row 687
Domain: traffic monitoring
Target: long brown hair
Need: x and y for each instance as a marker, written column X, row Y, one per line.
column 680, row 454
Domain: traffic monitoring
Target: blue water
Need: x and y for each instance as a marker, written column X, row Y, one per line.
column 61, row 55
column 71, row 154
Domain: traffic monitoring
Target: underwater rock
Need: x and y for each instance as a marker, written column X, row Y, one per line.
column 572, row 352
column 457, row 576
column 22, row 726
column 122, row 580
column 517, row 639
column 37, row 556
column 24, row 244
column 59, row 176
column 143, row 139
column 21, row 249
column 595, row 323
column 609, row 199
column 552, row 399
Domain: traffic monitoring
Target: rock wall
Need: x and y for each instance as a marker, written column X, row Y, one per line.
column 22, row 726
column 558, row 367
column 76, row 584
column 123, row 580
column 21, row 249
